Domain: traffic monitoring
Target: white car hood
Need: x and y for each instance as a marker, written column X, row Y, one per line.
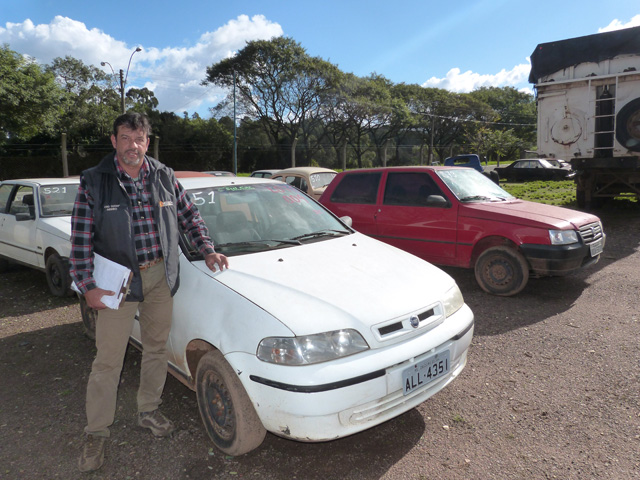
column 316, row 284
column 57, row 226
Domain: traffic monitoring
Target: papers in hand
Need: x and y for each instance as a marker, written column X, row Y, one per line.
column 111, row 276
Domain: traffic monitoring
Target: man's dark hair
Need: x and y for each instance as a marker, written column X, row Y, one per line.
column 133, row 121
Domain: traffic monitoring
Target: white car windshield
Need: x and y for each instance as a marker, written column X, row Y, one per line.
column 250, row 218
column 471, row 186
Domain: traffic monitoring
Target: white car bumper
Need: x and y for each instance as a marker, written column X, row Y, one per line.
column 327, row 401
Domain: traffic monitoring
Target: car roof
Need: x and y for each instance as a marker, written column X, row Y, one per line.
column 406, row 168
column 190, row 173
column 303, row 170
column 45, row 181
column 202, row 181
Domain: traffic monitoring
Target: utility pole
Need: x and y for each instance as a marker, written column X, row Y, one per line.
column 122, row 92
column 123, row 78
column 235, row 137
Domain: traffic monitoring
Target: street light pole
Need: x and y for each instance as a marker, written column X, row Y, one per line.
column 235, row 139
column 122, row 107
column 124, row 82
column 123, row 77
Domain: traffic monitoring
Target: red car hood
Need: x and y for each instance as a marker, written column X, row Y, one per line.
column 534, row 214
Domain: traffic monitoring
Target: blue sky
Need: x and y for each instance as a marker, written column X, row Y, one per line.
column 457, row 45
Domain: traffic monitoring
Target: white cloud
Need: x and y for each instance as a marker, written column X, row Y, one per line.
column 459, row 82
column 618, row 25
column 174, row 74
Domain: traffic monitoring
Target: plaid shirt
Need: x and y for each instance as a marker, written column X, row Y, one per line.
column 146, row 238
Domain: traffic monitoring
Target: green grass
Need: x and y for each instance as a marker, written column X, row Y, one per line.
column 561, row 193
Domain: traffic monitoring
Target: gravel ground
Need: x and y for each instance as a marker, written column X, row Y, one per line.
column 551, row 390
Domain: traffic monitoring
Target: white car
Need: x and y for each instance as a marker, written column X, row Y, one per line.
column 315, row 332
column 35, row 227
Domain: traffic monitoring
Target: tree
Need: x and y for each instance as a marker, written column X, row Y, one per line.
column 88, row 107
column 278, row 84
column 141, row 100
column 514, row 110
column 28, row 97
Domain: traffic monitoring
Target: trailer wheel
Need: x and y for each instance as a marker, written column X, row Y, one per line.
column 628, row 126
column 581, row 198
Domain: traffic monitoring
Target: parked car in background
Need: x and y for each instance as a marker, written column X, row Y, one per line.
column 458, row 217
column 533, row 169
column 471, row 161
column 220, row 173
column 311, row 180
column 267, row 346
column 35, row 227
column 264, row 173
column 556, row 162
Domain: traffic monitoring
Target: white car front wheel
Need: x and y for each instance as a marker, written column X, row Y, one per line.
column 225, row 408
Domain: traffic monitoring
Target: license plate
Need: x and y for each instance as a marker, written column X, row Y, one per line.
column 596, row 247
column 425, row 371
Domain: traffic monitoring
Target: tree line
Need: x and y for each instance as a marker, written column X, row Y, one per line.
column 283, row 108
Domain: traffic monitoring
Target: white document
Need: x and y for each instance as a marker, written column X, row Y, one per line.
column 110, row 276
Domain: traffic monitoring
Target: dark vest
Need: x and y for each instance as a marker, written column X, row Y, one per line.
column 112, row 216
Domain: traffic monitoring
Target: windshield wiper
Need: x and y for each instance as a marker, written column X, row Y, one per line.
column 474, row 197
column 321, row 233
column 258, row 242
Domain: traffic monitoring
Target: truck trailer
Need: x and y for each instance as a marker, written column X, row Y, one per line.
column 588, row 96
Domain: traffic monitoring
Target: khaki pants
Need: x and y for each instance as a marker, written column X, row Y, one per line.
column 113, row 328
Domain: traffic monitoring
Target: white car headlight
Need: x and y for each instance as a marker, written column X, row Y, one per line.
column 563, row 237
column 310, row 349
column 452, row 300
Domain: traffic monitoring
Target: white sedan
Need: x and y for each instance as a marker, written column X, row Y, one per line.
column 315, row 332
column 35, row 226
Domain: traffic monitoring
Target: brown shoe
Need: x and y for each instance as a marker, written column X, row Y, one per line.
column 155, row 421
column 92, row 456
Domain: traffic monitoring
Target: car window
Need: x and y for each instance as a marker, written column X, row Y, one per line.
column 251, row 218
column 5, row 193
column 470, row 184
column 409, row 189
column 544, row 164
column 322, row 179
column 23, row 201
column 357, row 188
column 298, row 182
column 57, row 200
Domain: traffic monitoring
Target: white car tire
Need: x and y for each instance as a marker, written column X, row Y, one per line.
column 226, row 410
column 58, row 279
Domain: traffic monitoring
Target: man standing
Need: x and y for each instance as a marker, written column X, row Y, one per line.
column 130, row 209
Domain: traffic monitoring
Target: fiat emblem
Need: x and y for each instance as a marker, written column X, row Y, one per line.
column 414, row 321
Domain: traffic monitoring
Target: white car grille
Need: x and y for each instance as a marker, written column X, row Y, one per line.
column 416, row 323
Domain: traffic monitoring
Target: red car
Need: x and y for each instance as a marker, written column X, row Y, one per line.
column 458, row 217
